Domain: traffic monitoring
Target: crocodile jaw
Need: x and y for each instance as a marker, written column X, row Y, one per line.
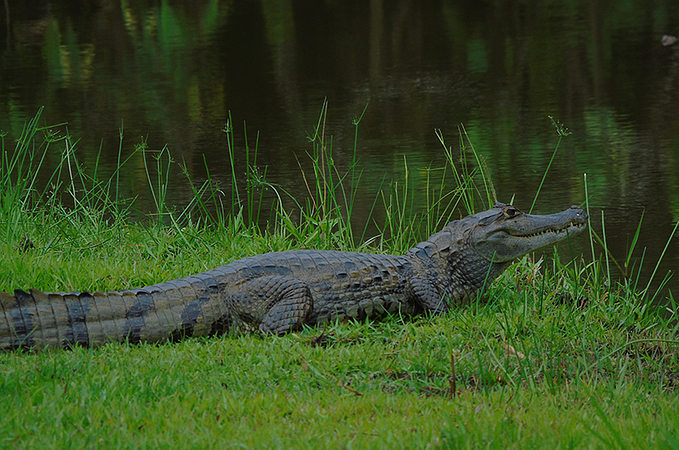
column 507, row 233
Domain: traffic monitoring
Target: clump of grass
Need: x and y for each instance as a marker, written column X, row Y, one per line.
column 555, row 355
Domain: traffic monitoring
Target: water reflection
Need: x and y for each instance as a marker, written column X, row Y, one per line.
column 172, row 71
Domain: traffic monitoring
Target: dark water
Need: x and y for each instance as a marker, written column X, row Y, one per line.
column 172, row 71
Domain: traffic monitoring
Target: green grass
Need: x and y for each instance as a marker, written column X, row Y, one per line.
column 556, row 355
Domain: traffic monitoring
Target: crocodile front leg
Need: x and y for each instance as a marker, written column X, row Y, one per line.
column 427, row 295
column 275, row 304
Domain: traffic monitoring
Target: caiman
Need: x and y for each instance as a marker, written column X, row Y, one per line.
column 276, row 293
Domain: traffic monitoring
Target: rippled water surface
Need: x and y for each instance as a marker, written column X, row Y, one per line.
column 171, row 73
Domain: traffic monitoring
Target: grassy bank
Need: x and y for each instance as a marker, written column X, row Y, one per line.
column 557, row 355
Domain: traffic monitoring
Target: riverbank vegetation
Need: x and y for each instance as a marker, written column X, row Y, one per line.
column 557, row 354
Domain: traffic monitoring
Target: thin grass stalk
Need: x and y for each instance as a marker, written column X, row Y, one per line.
column 661, row 286
column 216, row 199
column 253, row 181
column 589, row 215
column 95, row 174
column 347, row 199
column 466, row 176
column 235, row 194
column 322, row 155
column 657, row 264
column 370, row 215
column 22, row 151
column 544, row 176
column 68, row 153
column 352, row 168
column 27, row 169
column 634, row 241
column 485, row 174
column 319, row 150
column 117, row 172
column 603, row 232
column 4, row 160
column 448, row 151
column 641, row 263
column 158, row 193
column 262, row 181
column 197, row 200
column 561, row 131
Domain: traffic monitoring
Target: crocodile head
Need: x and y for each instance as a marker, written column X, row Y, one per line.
column 470, row 252
column 504, row 233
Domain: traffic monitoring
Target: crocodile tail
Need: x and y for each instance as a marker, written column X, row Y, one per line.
column 169, row 311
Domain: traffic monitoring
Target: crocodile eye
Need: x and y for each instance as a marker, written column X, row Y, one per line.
column 510, row 212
